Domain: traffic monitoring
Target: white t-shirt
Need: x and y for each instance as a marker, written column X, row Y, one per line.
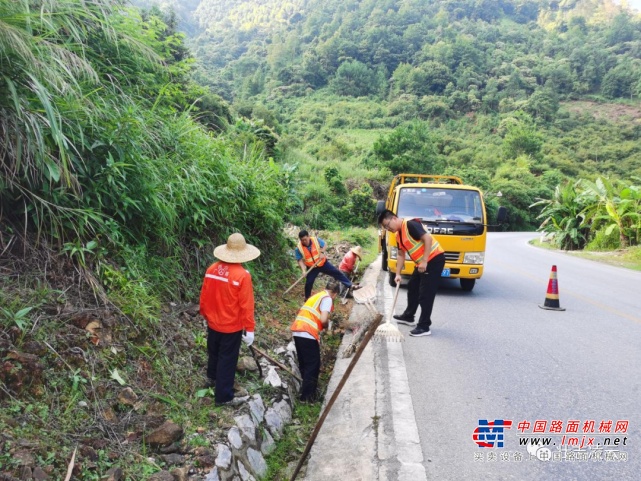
column 325, row 306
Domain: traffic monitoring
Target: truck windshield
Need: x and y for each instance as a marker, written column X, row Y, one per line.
column 440, row 204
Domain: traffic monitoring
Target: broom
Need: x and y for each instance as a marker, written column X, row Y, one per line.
column 387, row 330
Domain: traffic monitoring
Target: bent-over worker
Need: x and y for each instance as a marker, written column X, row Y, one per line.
column 349, row 260
column 311, row 319
column 423, row 249
column 308, row 252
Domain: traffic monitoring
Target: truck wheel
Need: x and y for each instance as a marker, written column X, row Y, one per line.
column 384, row 256
column 392, row 279
column 467, row 284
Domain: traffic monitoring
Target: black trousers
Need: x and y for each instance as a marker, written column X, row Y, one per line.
column 421, row 291
column 309, row 361
column 328, row 269
column 223, row 352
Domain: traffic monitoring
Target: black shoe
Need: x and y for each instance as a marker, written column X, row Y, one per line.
column 236, row 401
column 404, row 319
column 418, row 332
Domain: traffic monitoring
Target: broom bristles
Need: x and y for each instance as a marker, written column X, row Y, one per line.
column 389, row 332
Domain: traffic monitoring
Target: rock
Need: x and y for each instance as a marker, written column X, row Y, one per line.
column 291, row 348
column 223, row 460
column 161, row 476
column 205, row 461
column 109, row 415
column 268, row 445
column 180, row 474
column 213, row 475
column 114, row 474
column 257, row 408
column 165, row 435
column 256, row 462
column 24, row 458
column 274, row 423
column 173, row 459
column 127, row 396
column 279, row 350
column 284, row 410
column 203, row 451
column 241, row 392
column 247, row 427
column 244, row 474
column 82, row 404
column 26, row 474
column 246, row 363
column 234, row 438
column 172, row 448
column 272, row 378
column 39, row 474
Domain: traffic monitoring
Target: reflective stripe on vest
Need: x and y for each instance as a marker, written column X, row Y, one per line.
column 415, row 248
column 308, row 317
column 311, row 254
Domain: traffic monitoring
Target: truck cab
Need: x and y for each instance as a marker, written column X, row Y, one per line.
column 452, row 212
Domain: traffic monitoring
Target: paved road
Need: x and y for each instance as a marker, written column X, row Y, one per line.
column 495, row 355
column 409, row 410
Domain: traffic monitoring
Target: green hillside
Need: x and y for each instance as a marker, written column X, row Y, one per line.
column 510, row 95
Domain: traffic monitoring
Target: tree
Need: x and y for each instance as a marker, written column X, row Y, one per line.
column 522, row 138
column 409, row 148
column 543, row 104
column 355, row 79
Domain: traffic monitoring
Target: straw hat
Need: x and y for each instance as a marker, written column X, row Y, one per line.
column 236, row 251
column 358, row 251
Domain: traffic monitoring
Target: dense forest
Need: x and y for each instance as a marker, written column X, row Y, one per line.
column 516, row 97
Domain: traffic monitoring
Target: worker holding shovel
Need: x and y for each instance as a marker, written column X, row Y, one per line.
column 311, row 319
column 311, row 252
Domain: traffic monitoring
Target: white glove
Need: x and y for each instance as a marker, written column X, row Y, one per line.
column 248, row 338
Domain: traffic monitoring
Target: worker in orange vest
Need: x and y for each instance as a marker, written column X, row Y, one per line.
column 311, row 252
column 311, row 319
column 423, row 249
column 227, row 303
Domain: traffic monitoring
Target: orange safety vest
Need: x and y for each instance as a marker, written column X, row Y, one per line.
column 308, row 318
column 416, row 248
column 312, row 253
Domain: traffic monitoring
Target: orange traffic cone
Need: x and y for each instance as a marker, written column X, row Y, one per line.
column 552, row 296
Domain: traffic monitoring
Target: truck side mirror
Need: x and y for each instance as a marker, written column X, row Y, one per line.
column 380, row 207
column 502, row 215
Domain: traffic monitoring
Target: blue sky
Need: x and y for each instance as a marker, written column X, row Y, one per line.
column 635, row 4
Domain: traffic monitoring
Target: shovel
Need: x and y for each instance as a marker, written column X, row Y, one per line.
column 301, row 277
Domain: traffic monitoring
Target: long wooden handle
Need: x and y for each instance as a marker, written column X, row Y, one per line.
column 398, row 286
column 337, row 391
column 301, row 277
column 274, row 361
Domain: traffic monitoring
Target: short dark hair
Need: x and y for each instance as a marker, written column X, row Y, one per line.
column 386, row 214
column 302, row 234
column 333, row 286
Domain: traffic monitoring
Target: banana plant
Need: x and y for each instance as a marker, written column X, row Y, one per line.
column 613, row 205
column 563, row 217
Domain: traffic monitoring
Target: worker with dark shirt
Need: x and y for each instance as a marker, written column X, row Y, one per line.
column 429, row 257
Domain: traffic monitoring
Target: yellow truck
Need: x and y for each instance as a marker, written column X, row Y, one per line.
column 452, row 212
